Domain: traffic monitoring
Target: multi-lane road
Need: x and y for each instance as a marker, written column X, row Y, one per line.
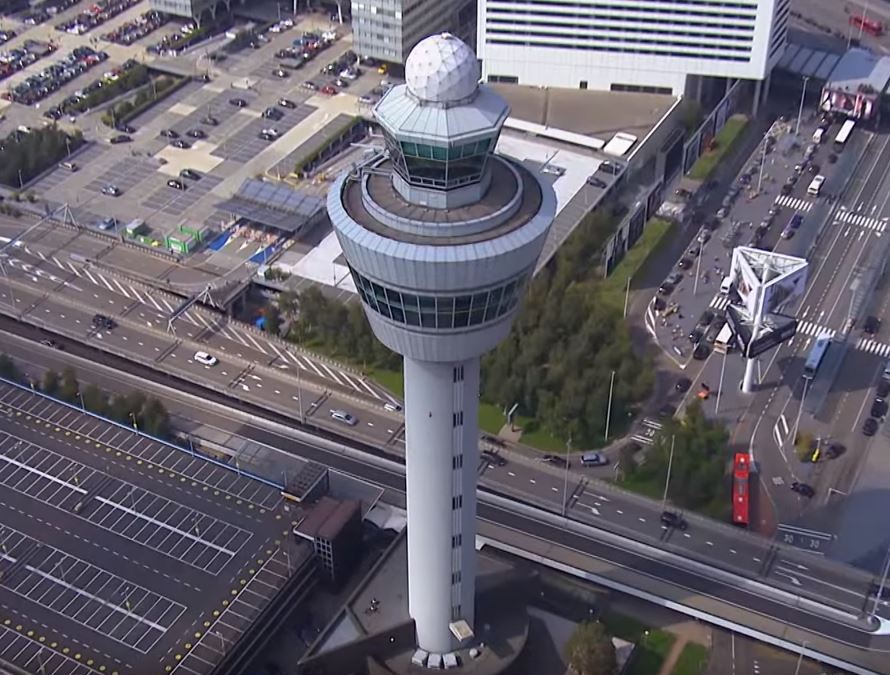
column 619, row 537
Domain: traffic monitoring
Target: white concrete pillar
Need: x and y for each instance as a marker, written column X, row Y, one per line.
column 749, row 383
column 442, row 462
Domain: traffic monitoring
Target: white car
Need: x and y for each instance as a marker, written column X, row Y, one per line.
column 206, row 359
column 271, row 131
column 349, row 74
column 344, row 417
column 392, row 406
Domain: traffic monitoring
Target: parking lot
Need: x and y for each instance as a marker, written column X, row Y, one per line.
column 115, row 547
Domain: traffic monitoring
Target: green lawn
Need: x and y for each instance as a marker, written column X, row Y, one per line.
column 726, row 137
column 393, row 380
column 614, row 287
column 652, row 648
column 491, row 418
column 693, row 660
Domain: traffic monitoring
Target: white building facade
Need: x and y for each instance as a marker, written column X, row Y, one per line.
column 629, row 45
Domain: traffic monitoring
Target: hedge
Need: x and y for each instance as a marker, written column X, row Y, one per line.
column 130, row 109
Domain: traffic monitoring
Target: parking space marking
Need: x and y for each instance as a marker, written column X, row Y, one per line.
column 36, row 657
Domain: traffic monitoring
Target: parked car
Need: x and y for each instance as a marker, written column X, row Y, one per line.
column 238, row 102
column 869, row 426
column 176, row 184
column 683, row 384
column 119, row 138
column 872, row 325
column 286, row 103
column 190, row 173
column 112, row 190
column 196, row 133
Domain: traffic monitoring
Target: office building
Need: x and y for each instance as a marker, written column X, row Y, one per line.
column 199, row 10
column 389, row 29
column 441, row 236
column 656, row 46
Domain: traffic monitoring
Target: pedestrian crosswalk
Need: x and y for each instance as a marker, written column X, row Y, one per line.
column 794, row 203
column 720, row 302
column 873, row 347
column 814, row 329
column 862, row 221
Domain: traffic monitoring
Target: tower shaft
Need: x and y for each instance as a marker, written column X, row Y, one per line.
column 441, row 430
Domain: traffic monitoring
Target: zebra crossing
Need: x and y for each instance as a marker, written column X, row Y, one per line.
column 721, row 302
column 794, row 203
column 862, row 221
column 873, row 347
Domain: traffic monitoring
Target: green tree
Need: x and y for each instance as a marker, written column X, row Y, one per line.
column 69, row 386
column 50, row 383
column 8, row 369
column 272, row 316
column 95, row 400
column 154, row 418
column 590, row 651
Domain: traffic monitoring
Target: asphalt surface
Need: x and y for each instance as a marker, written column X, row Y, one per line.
column 764, row 424
column 631, row 517
column 118, row 552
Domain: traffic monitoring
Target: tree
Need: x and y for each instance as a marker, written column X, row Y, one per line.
column 272, row 316
column 69, row 386
column 154, row 418
column 590, row 650
column 95, row 400
column 50, row 383
column 8, row 369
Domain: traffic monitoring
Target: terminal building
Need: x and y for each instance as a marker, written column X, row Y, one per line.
column 193, row 9
column 649, row 46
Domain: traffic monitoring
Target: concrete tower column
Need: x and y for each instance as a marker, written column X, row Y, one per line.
column 441, row 434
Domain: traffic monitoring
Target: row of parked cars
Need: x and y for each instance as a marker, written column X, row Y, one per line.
column 45, row 10
column 54, row 77
column 31, row 51
column 69, row 105
column 97, row 14
column 6, row 36
column 131, row 31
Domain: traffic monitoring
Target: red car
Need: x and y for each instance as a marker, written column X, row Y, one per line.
column 329, row 90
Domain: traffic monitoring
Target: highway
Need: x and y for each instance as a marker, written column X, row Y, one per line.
column 814, row 577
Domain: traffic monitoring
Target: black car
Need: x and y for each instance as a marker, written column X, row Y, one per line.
column 177, row 184
column 696, row 335
column 835, row 450
column 596, row 182
column 181, row 144
column 238, row 102
column 493, row 458
column 286, row 103
column 684, row 264
column 556, row 460
column 872, row 325
column 190, row 173
column 120, row 138
column 878, row 408
column 126, row 128
column 673, row 519
column 272, row 113
column 51, row 343
column 210, row 120
column 666, row 288
column 196, row 133
column 169, row 133
column 869, row 426
column 683, row 384
column 701, row 352
column 102, row 321
column 803, row 489
column 883, row 389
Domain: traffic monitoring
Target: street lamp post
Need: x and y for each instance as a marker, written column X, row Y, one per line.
column 609, row 408
column 720, row 386
column 862, row 19
column 800, row 657
column 626, row 297
column 881, row 586
column 565, row 486
column 803, row 93
column 667, row 478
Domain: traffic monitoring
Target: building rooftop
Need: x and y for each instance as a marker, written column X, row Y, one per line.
column 327, row 518
column 497, row 197
column 597, row 114
column 859, row 69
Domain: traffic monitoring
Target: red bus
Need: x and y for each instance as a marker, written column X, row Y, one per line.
column 871, row 26
column 740, row 476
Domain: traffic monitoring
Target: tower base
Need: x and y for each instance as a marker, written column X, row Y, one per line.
column 383, row 640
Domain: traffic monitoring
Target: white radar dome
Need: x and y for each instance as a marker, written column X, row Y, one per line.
column 442, row 69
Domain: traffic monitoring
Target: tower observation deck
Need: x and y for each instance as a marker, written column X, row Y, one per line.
column 441, row 236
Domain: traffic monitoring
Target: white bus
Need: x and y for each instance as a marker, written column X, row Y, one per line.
column 816, row 185
column 724, row 341
column 818, row 135
column 841, row 139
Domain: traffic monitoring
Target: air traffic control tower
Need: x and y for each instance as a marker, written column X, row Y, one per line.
column 441, row 236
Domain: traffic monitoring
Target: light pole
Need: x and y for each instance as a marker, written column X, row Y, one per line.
column 878, row 598
column 803, row 93
column 862, row 18
column 701, row 252
column 626, row 297
column 667, row 478
column 609, row 408
column 800, row 657
column 762, row 164
column 803, row 398
column 720, row 386
column 565, row 486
